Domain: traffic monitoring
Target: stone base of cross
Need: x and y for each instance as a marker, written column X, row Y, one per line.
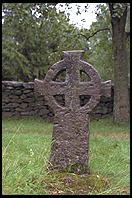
column 70, row 138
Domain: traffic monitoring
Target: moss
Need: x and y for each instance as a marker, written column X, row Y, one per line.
column 69, row 183
column 77, row 168
column 72, row 168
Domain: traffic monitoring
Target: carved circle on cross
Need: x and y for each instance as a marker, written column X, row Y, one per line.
column 72, row 87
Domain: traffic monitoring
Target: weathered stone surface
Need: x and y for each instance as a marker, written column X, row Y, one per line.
column 13, row 83
column 23, row 113
column 18, row 92
column 27, row 91
column 70, row 147
column 30, row 85
column 13, row 97
column 29, row 100
column 23, row 96
column 7, row 109
column 7, row 114
column 23, row 105
column 10, row 87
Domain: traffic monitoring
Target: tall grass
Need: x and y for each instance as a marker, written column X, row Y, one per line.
column 26, row 125
column 24, row 162
column 26, row 147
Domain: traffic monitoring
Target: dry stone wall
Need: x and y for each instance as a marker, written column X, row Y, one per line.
column 18, row 100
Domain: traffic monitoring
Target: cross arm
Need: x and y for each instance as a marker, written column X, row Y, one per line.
column 106, row 88
column 57, row 87
column 88, row 88
column 39, row 87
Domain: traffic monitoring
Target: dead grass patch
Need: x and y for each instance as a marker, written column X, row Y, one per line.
column 114, row 135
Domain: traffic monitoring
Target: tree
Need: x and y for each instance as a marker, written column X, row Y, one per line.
column 27, row 39
column 118, row 13
column 34, row 36
column 100, row 43
column 118, row 16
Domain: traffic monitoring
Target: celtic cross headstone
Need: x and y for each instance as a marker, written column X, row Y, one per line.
column 70, row 146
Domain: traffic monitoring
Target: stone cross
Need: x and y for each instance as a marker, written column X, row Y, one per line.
column 70, row 146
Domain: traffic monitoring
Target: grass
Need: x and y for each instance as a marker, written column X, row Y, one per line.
column 105, row 127
column 28, row 125
column 26, row 147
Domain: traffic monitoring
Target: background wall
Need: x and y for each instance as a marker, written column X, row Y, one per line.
column 18, row 100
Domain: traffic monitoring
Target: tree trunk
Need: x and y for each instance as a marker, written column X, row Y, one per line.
column 121, row 95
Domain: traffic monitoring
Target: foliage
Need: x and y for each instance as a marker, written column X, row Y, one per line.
column 33, row 37
column 99, row 47
column 101, row 44
column 35, row 34
column 98, row 42
column 118, row 9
